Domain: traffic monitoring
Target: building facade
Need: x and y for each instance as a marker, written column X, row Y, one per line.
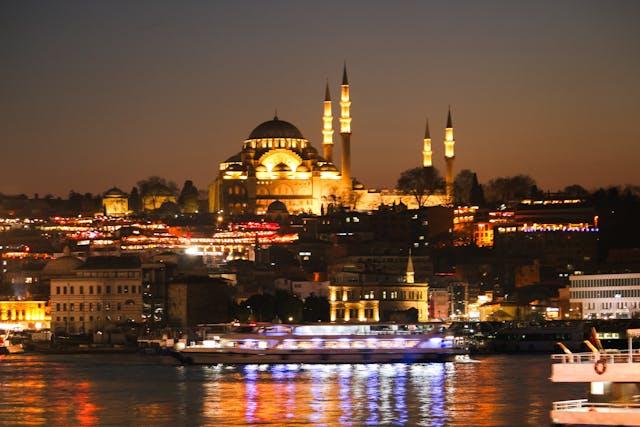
column 605, row 296
column 365, row 301
column 105, row 291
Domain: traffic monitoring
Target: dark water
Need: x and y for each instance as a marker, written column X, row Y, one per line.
column 139, row 390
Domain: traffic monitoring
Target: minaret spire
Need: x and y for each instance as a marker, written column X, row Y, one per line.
column 410, row 273
column 426, row 148
column 449, row 155
column 327, row 126
column 345, row 129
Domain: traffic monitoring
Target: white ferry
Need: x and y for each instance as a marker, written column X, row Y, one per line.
column 614, row 375
column 362, row 343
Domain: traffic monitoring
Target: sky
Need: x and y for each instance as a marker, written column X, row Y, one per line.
column 102, row 94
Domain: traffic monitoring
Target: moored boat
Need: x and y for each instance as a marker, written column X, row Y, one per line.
column 614, row 377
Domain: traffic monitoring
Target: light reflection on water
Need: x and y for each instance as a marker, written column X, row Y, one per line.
column 88, row 390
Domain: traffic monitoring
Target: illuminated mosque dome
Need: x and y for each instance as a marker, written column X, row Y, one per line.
column 276, row 128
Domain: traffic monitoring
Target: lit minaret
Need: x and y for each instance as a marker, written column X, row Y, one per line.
column 345, row 128
column 426, row 148
column 327, row 127
column 410, row 274
column 449, row 155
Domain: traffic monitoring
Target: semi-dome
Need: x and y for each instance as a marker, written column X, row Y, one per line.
column 282, row 167
column 276, row 128
column 277, row 207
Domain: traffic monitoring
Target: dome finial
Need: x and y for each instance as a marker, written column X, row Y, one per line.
column 449, row 121
column 275, row 114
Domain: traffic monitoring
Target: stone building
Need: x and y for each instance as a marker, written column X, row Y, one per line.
column 102, row 292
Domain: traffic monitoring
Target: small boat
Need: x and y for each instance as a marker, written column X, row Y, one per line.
column 362, row 343
column 7, row 347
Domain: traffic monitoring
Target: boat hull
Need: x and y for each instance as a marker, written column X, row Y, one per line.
column 204, row 357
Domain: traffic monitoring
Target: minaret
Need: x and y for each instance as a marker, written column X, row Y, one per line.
column 345, row 128
column 410, row 274
column 327, row 127
column 426, row 148
column 449, row 156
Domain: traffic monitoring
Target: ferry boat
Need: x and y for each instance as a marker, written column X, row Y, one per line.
column 362, row 343
column 614, row 377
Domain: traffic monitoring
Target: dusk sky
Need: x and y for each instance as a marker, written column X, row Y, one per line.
column 97, row 94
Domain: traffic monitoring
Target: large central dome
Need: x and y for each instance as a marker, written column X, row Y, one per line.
column 276, row 128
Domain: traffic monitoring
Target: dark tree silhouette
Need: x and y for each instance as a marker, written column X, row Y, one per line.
column 421, row 183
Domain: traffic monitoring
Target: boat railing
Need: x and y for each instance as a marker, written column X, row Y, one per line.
column 619, row 356
column 571, row 405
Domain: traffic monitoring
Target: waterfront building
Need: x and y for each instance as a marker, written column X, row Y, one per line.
column 439, row 304
column 356, row 300
column 103, row 291
column 15, row 314
column 278, row 164
column 115, row 202
column 605, row 296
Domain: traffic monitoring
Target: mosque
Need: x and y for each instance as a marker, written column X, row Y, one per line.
column 278, row 164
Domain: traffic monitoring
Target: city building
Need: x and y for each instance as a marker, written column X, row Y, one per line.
column 102, row 292
column 361, row 300
column 605, row 296
column 278, row 164
column 16, row 314
column 115, row 202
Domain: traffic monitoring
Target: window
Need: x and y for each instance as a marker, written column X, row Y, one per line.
column 81, row 307
column 98, row 307
column 90, row 306
column 81, row 290
column 133, row 289
column 119, row 306
column 126, row 289
column 107, row 306
column 58, row 307
column 72, row 307
column 64, row 290
column 108, row 289
column 99, row 289
column 119, row 289
column 57, row 290
column 71, row 290
column 64, row 306
column 91, row 289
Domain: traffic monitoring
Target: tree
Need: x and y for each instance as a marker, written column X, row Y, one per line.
column 188, row 199
column 467, row 190
column 135, row 202
column 316, row 309
column 421, row 183
column 509, row 188
column 145, row 184
column 575, row 190
column 288, row 307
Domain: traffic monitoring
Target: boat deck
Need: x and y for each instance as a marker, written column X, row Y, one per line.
column 583, row 412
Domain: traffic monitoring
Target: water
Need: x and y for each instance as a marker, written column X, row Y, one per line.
column 142, row 390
